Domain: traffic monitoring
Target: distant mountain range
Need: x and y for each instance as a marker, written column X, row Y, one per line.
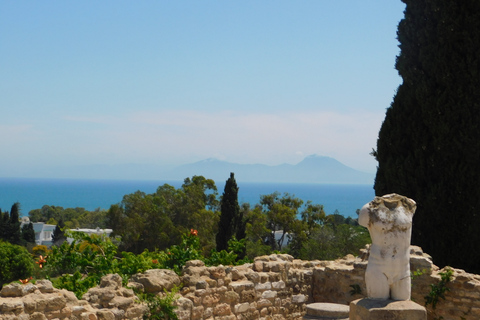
column 313, row 169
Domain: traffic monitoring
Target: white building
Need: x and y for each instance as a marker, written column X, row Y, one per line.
column 44, row 232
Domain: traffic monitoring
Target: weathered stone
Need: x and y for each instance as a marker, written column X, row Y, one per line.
column 241, row 286
column 222, row 309
column 11, row 290
column 157, row 280
column 37, row 316
column 299, row 298
column 370, row 309
column 269, row 294
column 201, row 284
column 211, row 300
column 327, row 310
column 278, row 285
column 113, row 281
column 241, row 307
column 105, row 315
column 217, row 272
column 45, row 286
column 197, row 312
column 121, row 302
column 263, row 286
column 194, row 263
column 11, row 305
column 231, row 297
column 136, row 311
column 55, row 302
column 389, row 221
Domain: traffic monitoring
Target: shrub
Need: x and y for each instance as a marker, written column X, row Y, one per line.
column 16, row 263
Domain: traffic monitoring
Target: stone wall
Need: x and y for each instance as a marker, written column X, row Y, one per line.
column 272, row 287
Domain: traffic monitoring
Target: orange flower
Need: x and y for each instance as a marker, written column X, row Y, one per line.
column 25, row 281
column 155, row 261
column 41, row 261
column 193, row 232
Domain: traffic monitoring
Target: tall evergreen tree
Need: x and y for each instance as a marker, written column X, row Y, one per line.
column 13, row 233
column 58, row 236
column 4, row 221
column 28, row 234
column 429, row 144
column 231, row 219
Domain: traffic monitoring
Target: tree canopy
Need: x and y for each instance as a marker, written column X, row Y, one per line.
column 429, row 143
column 158, row 220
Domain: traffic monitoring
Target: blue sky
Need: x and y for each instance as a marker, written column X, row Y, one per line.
column 174, row 82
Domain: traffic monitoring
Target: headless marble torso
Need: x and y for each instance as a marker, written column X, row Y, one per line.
column 389, row 221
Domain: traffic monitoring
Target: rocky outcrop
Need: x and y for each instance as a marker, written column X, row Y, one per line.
column 273, row 287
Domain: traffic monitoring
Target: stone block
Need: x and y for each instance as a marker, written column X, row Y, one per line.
column 322, row 310
column 370, row 309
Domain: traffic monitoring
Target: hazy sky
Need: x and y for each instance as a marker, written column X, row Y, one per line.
column 174, row 82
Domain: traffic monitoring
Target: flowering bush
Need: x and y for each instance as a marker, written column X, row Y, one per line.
column 188, row 249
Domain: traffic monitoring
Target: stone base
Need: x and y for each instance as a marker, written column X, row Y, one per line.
column 370, row 309
column 324, row 311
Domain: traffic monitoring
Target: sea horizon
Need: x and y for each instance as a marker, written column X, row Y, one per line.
column 92, row 194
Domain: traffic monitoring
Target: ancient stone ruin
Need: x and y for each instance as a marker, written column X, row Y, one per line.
column 272, row 287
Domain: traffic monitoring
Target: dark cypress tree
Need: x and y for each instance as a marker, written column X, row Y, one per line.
column 2, row 225
column 28, row 234
column 58, row 236
column 13, row 232
column 429, row 144
column 230, row 218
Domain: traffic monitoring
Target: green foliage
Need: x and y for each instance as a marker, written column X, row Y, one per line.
column 328, row 243
column 131, row 264
column 439, row 289
column 40, row 250
column 161, row 308
column 28, row 234
column 82, row 263
column 188, row 249
column 230, row 257
column 10, row 225
column 157, row 221
column 58, row 236
column 15, row 261
column 355, row 289
column 231, row 222
column 72, row 217
column 429, row 144
column 281, row 215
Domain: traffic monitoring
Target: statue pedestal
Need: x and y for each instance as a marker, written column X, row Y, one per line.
column 370, row 309
column 326, row 311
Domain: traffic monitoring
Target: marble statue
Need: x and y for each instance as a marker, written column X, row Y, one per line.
column 389, row 221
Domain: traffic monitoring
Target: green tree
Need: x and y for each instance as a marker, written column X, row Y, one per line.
column 312, row 217
column 28, row 234
column 429, row 143
column 158, row 220
column 58, row 236
column 256, row 231
column 16, row 263
column 13, row 232
column 4, row 225
column 231, row 219
column 281, row 215
column 328, row 243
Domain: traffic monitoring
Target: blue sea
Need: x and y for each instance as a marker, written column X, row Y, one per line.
column 93, row 194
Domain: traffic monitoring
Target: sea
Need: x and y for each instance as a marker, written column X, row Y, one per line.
column 32, row 194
